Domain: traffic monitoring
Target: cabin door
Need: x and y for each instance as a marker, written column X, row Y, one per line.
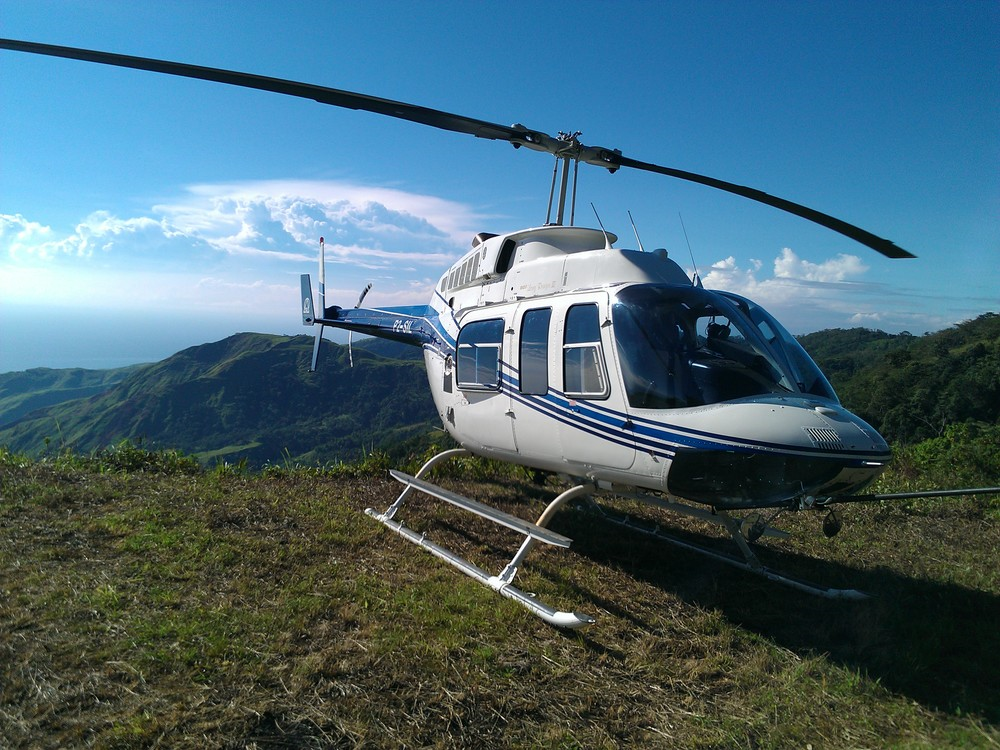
column 568, row 413
column 480, row 417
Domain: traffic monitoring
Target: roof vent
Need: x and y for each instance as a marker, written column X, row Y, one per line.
column 480, row 238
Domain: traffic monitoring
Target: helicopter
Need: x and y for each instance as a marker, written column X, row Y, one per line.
column 550, row 348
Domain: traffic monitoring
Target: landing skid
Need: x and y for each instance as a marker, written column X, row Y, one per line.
column 749, row 562
column 534, row 533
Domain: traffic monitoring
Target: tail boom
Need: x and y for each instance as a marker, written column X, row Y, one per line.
column 408, row 325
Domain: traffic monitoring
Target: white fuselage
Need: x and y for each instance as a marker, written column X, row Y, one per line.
column 540, row 363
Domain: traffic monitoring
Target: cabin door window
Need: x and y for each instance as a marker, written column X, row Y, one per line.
column 533, row 355
column 584, row 374
column 479, row 355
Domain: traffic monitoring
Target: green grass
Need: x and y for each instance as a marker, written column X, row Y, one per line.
column 145, row 602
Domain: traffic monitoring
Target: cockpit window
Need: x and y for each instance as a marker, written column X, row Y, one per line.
column 688, row 347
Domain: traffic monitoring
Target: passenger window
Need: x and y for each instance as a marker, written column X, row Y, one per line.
column 584, row 375
column 479, row 355
column 534, row 352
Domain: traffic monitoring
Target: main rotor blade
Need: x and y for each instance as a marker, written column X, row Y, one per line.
column 879, row 244
column 563, row 146
column 322, row 94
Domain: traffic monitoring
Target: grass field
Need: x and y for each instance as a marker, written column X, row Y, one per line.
column 153, row 604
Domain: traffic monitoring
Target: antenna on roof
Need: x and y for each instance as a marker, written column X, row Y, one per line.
column 636, row 231
column 607, row 240
column 697, row 276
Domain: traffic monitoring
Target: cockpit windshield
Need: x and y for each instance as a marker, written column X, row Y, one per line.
column 807, row 375
column 689, row 347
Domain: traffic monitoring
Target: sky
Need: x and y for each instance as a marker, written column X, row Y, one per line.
column 141, row 213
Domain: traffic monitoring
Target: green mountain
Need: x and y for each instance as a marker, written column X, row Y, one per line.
column 911, row 387
column 388, row 349
column 24, row 392
column 249, row 396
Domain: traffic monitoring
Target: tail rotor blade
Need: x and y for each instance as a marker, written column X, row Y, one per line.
column 315, row 357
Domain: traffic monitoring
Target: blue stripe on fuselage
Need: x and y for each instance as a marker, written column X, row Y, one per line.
column 559, row 408
column 653, row 436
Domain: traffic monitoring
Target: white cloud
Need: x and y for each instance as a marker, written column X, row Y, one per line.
column 807, row 296
column 291, row 216
column 788, row 271
column 239, row 247
column 789, row 266
column 279, row 220
column 727, row 275
column 20, row 235
column 99, row 234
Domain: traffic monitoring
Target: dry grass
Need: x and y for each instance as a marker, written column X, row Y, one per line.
column 219, row 609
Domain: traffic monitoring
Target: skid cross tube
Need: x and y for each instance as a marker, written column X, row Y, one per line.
column 533, row 534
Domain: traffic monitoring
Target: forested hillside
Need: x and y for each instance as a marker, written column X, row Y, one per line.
column 25, row 391
column 249, row 396
column 911, row 388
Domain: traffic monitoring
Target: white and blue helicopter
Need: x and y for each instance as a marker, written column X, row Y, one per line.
column 550, row 348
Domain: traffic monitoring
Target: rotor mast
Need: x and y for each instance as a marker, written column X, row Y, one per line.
column 570, row 152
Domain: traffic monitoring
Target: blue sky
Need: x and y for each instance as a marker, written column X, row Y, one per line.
column 140, row 214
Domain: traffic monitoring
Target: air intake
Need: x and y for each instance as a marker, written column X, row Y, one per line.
column 826, row 438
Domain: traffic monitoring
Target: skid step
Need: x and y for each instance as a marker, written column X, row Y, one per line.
column 486, row 511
